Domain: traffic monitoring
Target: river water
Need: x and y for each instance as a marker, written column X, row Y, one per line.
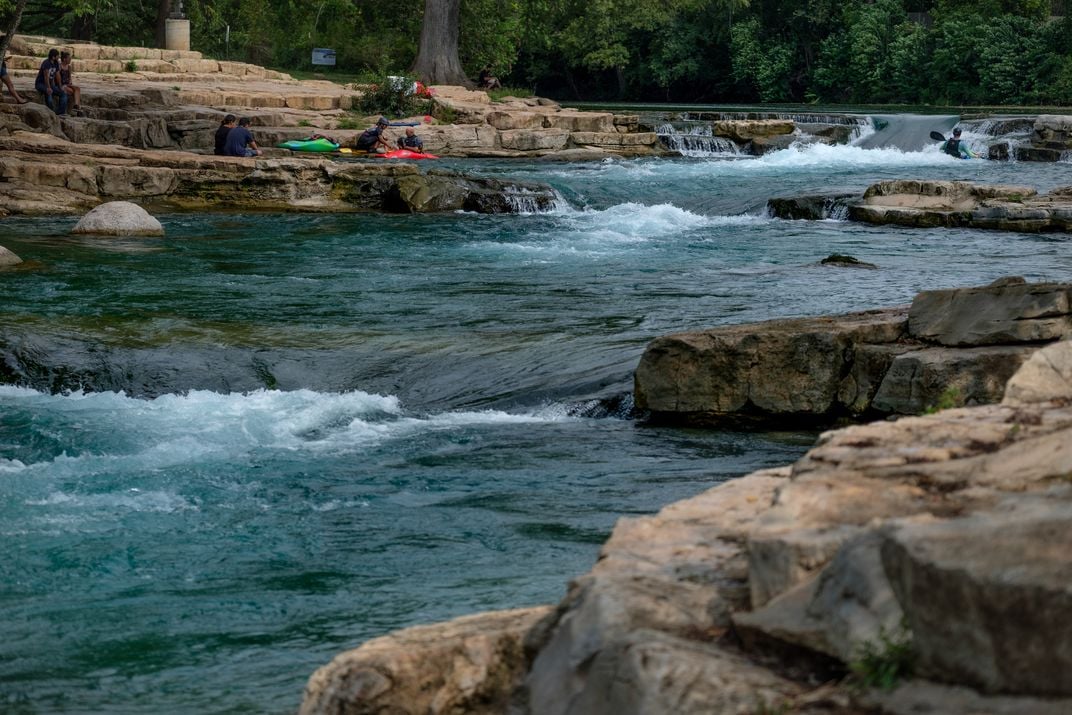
column 230, row 453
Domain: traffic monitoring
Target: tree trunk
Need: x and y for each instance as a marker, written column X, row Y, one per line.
column 163, row 9
column 84, row 27
column 437, row 57
column 12, row 26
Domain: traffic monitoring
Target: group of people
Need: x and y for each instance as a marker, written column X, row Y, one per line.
column 234, row 138
column 54, row 82
column 373, row 141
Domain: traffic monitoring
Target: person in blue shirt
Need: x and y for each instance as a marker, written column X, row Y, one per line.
column 48, row 83
column 372, row 139
column 411, row 141
column 954, row 146
column 240, row 141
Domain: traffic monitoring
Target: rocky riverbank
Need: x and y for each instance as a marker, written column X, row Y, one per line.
column 917, row 565
column 43, row 175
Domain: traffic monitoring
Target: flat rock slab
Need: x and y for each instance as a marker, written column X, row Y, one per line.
column 992, row 315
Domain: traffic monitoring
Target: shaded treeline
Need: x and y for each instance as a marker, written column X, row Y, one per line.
column 882, row 51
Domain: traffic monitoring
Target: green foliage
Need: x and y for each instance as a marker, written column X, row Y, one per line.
column 951, row 397
column 393, row 97
column 964, row 51
column 765, row 64
column 131, row 66
column 497, row 94
column 885, row 663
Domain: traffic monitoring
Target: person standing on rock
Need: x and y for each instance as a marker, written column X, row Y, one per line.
column 240, row 141
column 372, row 139
column 221, row 134
column 66, row 80
column 48, row 83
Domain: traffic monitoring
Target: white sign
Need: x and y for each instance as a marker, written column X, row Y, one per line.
column 323, row 56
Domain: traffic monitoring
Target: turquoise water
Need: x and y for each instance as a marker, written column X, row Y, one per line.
column 230, row 453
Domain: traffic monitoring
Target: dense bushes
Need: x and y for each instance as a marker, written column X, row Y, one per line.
column 881, row 51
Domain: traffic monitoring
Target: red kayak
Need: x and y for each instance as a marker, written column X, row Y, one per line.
column 405, row 154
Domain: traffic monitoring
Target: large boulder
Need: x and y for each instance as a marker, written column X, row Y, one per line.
column 119, row 218
column 7, row 258
column 989, row 598
column 781, row 369
column 1007, row 311
column 1047, row 375
column 468, row 665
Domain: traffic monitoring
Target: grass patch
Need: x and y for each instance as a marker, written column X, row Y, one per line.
column 497, row 94
column 951, row 397
column 131, row 66
column 886, row 663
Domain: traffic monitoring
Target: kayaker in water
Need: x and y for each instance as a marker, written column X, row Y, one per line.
column 960, row 149
column 411, row 141
column 372, row 139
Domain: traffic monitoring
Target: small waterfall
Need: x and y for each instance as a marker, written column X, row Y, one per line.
column 695, row 139
column 907, row 132
column 835, row 210
column 523, row 201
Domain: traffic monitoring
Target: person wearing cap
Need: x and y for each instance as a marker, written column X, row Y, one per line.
column 957, row 148
column 372, row 139
column 6, row 78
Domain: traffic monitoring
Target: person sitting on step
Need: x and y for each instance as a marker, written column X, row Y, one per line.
column 225, row 128
column 240, row 141
column 69, row 87
column 48, row 83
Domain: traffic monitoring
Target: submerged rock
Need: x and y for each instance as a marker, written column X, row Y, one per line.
column 7, row 258
column 839, row 261
column 119, row 218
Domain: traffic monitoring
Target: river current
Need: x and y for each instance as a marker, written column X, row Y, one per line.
column 230, row 453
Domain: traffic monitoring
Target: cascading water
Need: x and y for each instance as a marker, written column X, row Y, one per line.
column 696, row 139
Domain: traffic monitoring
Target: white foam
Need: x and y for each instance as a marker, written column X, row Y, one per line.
column 130, row 500
column 121, row 434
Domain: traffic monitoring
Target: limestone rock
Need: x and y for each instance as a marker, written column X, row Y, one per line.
column 1047, row 375
column 745, row 130
column 992, row 315
column 651, row 673
column 685, row 581
column 785, row 369
column 7, row 258
column 919, row 380
column 989, row 597
column 471, row 665
column 810, row 208
column 922, row 697
column 119, row 218
column 849, row 603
